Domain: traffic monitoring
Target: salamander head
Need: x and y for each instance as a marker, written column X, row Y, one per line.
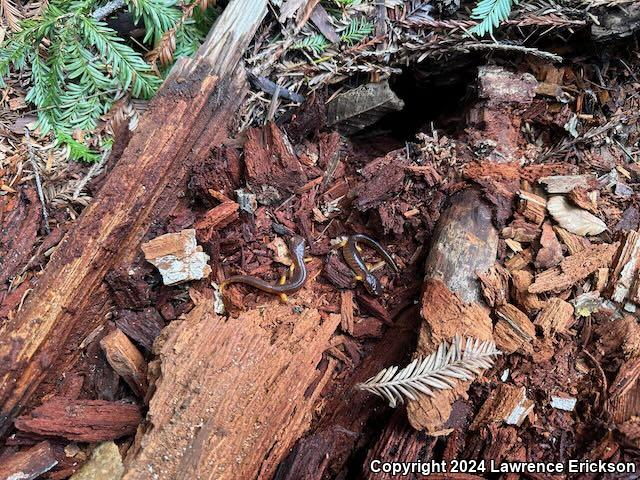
column 372, row 285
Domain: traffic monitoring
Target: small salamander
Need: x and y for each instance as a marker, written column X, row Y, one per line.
column 358, row 265
column 296, row 281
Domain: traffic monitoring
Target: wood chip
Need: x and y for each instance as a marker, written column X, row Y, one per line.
column 575, row 243
column 177, row 256
column 513, row 331
column 219, row 216
column 625, row 268
column 81, row 420
column 495, row 285
column 583, row 198
column 530, row 302
column 574, row 268
column 556, row 316
column 29, row 463
column 126, row 360
column 506, row 403
column 574, row 219
column 519, row 261
column 346, row 311
column 532, row 207
column 566, row 183
column 521, row 231
column 550, row 253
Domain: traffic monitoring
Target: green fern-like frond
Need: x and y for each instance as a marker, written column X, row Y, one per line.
column 77, row 151
column 313, row 43
column 356, row 31
column 158, row 17
column 491, row 13
column 128, row 66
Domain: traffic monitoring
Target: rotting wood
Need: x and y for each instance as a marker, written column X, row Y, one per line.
column 574, row 268
column 513, row 331
column 506, row 403
column 566, row 183
column 28, row 464
column 522, row 280
column 126, row 360
column 81, row 420
column 556, row 316
column 575, row 243
column 532, row 207
column 248, row 400
column 190, row 114
column 465, row 242
column 625, row 268
column 495, row 285
column 348, row 410
column 550, row 253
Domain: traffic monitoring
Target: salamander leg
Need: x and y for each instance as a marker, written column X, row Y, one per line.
column 283, row 280
column 358, row 278
column 284, row 298
column 307, row 259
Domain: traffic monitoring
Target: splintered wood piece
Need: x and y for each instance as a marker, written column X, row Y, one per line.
column 81, row 420
column 522, row 280
column 126, row 360
column 506, row 403
column 219, row 216
column 191, row 112
column 346, row 311
column 514, row 331
column 574, row 268
column 532, row 207
column 521, row 231
column 495, row 285
column 29, row 463
column 556, row 316
column 177, row 256
column 566, row 183
column 519, row 260
column 575, row 243
column 625, row 267
column 248, row 399
column 550, row 253
column 582, row 198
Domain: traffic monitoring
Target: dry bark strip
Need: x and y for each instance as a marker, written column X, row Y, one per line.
column 81, row 420
column 189, row 115
column 232, row 411
column 29, row 463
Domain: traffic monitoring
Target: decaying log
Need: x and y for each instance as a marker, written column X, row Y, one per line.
column 465, row 242
column 189, row 115
column 29, row 463
column 81, row 420
column 247, row 400
column 126, row 360
column 324, row 453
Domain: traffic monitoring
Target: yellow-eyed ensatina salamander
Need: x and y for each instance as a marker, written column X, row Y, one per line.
column 358, row 265
column 298, row 273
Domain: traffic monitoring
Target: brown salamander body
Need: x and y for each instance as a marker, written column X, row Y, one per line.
column 358, row 265
column 296, row 281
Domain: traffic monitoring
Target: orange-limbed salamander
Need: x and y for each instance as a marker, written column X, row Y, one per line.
column 296, row 280
column 358, row 265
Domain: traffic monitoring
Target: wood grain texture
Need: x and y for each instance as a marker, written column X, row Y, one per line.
column 29, row 463
column 233, row 394
column 189, row 115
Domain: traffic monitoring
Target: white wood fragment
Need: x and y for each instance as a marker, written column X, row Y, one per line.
column 563, row 403
column 178, row 257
